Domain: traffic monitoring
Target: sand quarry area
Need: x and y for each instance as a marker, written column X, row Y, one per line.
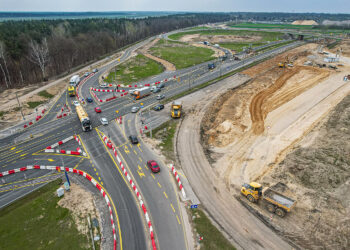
column 274, row 129
column 219, row 38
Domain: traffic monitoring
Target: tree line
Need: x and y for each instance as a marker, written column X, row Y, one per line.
column 36, row 50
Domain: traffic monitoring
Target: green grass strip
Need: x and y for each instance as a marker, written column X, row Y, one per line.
column 37, row 222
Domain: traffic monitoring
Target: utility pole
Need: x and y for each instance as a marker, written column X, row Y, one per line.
column 20, row 108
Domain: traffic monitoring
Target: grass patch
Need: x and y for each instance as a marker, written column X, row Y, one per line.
column 45, row 94
column 37, row 222
column 274, row 46
column 134, row 69
column 265, row 36
column 238, row 47
column 212, row 238
column 181, row 55
column 270, row 26
column 33, row 105
column 165, row 133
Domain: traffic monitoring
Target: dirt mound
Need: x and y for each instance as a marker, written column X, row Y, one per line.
column 81, row 203
column 248, row 131
column 219, row 38
column 318, row 171
column 304, row 22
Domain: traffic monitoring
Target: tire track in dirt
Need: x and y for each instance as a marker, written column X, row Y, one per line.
column 257, row 111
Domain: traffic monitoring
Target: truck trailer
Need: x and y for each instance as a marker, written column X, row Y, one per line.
column 74, row 81
column 83, row 118
column 142, row 92
column 274, row 201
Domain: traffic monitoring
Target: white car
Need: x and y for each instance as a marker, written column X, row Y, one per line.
column 76, row 103
column 103, row 85
column 135, row 109
column 104, row 121
column 87, row 74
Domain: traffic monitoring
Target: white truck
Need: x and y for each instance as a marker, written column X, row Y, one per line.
column 74, row 81
column 142, row 92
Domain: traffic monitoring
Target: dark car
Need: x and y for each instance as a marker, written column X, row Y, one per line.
column 133, row 139
column 153, row 165
column 89, row 99
column 158, row 107
column 156, row 90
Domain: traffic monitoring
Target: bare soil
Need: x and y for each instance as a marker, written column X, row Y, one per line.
column 304, row 22
column 217, row 52
column 81, row 203
column 250, row 130
column 344, row 45
column 219, row 38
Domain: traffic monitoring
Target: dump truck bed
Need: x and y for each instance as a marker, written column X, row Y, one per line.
column 279, row 199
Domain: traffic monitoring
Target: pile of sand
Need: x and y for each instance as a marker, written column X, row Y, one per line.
column 304, row 22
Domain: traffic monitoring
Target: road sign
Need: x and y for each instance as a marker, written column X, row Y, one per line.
column 194, row 206
column 141, row 103
column 117, row 111
column 141, row 106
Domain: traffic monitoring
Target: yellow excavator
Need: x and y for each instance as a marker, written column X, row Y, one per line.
column 285, row 63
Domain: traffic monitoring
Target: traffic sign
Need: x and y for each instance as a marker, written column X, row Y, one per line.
column 141, row 106
column 117, row 111
column 194, row 206
column 141, row 103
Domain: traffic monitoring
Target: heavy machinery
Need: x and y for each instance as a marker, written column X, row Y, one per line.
column 274, row 201
column 142, row 92
column 176, row 109
column 286, row 62
column 83, row 118
column 71, row 90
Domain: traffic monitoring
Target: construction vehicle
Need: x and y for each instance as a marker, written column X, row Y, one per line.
column 142, row 92
column 83, row 118
column 71, row 90
column 286, row 62
column 74, row 81
column 275, row 202
column 176, row 108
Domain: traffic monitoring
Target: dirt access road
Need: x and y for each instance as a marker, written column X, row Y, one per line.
column 247, row 231
column 144, row 50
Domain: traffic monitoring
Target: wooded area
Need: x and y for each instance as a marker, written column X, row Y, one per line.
column 37, row 50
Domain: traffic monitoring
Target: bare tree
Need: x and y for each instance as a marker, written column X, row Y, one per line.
column 3, row 57
column 39, row 54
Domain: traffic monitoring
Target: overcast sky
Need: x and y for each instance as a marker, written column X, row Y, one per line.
column 329, row 6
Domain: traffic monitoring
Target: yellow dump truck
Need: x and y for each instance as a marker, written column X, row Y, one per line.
column 274, row 201
column 71, row 90
column 176, row 109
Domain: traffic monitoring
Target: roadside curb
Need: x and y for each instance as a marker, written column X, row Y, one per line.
column 177, row 177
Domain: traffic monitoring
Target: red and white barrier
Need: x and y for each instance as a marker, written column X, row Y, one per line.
column 108, row 90
column 108, row 99
column 74, row 171
column 77, row 139
column 37, row 118
column 65, row 152
column 64, row 111
column 135, row 86
column 60, row 142
column 177, row 177
column 148, row 220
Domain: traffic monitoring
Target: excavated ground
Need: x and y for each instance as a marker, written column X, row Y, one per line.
column 250, row 130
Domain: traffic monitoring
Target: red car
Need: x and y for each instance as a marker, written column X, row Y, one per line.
column 98, row 110
column 153, row 165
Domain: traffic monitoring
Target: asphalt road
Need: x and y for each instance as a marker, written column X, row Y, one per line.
column 25, row 148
